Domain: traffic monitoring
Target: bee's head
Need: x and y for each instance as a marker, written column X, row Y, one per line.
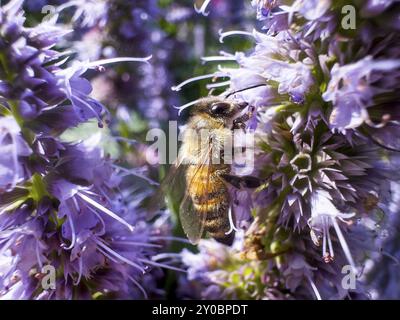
column 219, row 108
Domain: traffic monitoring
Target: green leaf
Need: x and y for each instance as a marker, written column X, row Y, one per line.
column 38, row 188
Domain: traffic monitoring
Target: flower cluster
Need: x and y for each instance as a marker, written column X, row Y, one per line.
column 69, row 227
column 326, row 125
column 218, row 272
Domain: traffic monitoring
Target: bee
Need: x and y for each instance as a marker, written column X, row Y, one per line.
column 206, row 203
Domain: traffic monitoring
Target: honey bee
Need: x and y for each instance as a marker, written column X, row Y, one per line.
column 206, row 203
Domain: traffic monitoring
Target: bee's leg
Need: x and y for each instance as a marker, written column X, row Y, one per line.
column 240, row 122
column 250, row 182
column 232, row 180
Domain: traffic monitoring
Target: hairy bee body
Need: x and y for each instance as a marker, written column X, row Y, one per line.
column 205, row 186
column 210, row 197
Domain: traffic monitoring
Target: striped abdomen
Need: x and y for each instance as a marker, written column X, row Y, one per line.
column 211, row 198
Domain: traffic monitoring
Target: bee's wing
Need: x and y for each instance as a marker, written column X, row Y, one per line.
column 192, row 220
column 172, row 183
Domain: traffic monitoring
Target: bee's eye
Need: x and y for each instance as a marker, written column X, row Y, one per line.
column 220, row 108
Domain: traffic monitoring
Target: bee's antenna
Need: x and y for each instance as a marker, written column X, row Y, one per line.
column 211, row 91
column 248, row 88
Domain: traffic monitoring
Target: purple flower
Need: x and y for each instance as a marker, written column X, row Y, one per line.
column 38, row 84
column 13, row 152
column 352, row 89
column 373, row 7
